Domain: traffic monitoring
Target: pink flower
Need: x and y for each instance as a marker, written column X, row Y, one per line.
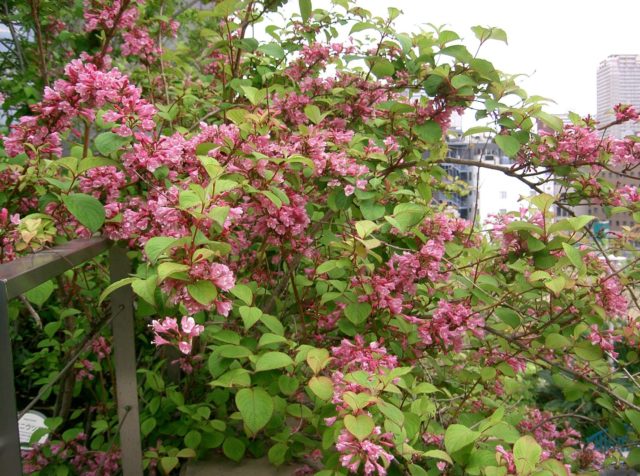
column 370, row 453
column 167, row 332
column 222, row 276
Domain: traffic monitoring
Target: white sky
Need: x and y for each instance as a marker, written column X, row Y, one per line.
column 557, row 44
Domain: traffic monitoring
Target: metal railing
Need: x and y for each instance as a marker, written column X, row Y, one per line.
column 26, row 273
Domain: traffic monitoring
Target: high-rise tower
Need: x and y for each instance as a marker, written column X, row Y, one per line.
column 618, row 82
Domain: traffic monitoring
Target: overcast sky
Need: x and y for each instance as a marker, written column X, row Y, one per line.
column 558, row 44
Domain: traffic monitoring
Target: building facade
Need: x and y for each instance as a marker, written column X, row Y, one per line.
column 618, row 83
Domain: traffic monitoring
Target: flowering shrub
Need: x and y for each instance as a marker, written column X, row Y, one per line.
column 300, row 294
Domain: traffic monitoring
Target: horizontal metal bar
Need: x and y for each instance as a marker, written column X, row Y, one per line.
column 32, row 270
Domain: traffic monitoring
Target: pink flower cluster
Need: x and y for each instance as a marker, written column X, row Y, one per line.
column 625, row 112
column 217, row 273
column 605, row 339
column 611, row 296
column 495, row 356
column 8, row 235
column 404, row 271
column 85, row 90
column 138, row 42
column 588, row 457
column 551, row 438
column 449, row 325
column 357, row 355
column 74, row 453
column 574, row 145
column 110, row 14
column 369, row 453
column 167, row 332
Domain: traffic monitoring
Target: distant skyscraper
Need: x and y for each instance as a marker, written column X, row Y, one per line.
column 618, row 82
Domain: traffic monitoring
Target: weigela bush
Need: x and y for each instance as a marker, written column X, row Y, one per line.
column 301, row 291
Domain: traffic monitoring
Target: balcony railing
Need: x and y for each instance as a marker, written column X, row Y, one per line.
column 26, row 273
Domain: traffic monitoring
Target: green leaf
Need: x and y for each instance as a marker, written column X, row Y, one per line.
column 156, row 246
column 509, row 144
column 108, row 142
column 579, row 222
column 430, row 131
column 483, row 34
column 554, row 122
column 168, row 463
column 287, row 385
column 438, row 454
column 526, row 454
column 461, row 81
column 359, row 426
column 93, row 162
column 382, row 67
column 273, row 324
column 508, row 316
column 231, row 351
column 574, row 255
column 233, row 448
column 233, row 378
column 365, row 227
column 542, row 202
column 458, row 436
column 317, row 359
column 277, row 454
column 556, row 341
column 588, row 351
column 224, row 185
column 327, row 266
column 478, row 130
column 145, row 288
column 87, row 209
column 192, row 439
column 633, row 459
column 250, row 315
column 254, row 95
column 189, row 199
column 256, row 407
column 634, row 418
column 169, row 268
column 361, row 26
column 305, row 9
column 147, row 426
column 556, row 285
column 243, row 293
column 313, row 113
column 357, row 312
column 273, row 197
column 322, row 387
column 270, row 339
column 372, row 210
column 186, row 453
column 272, row 360
column 272, row 49
column 40, row 294
column 219, row 214
column 203, row 291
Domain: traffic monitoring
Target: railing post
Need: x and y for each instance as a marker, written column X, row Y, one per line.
column 124, row 357
column 10, row 460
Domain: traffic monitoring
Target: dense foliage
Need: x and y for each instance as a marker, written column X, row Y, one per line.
column 299, row 292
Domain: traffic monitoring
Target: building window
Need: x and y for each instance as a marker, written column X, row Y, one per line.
column 503, row 195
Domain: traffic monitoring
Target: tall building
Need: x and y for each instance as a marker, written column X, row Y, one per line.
column 618, row 82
